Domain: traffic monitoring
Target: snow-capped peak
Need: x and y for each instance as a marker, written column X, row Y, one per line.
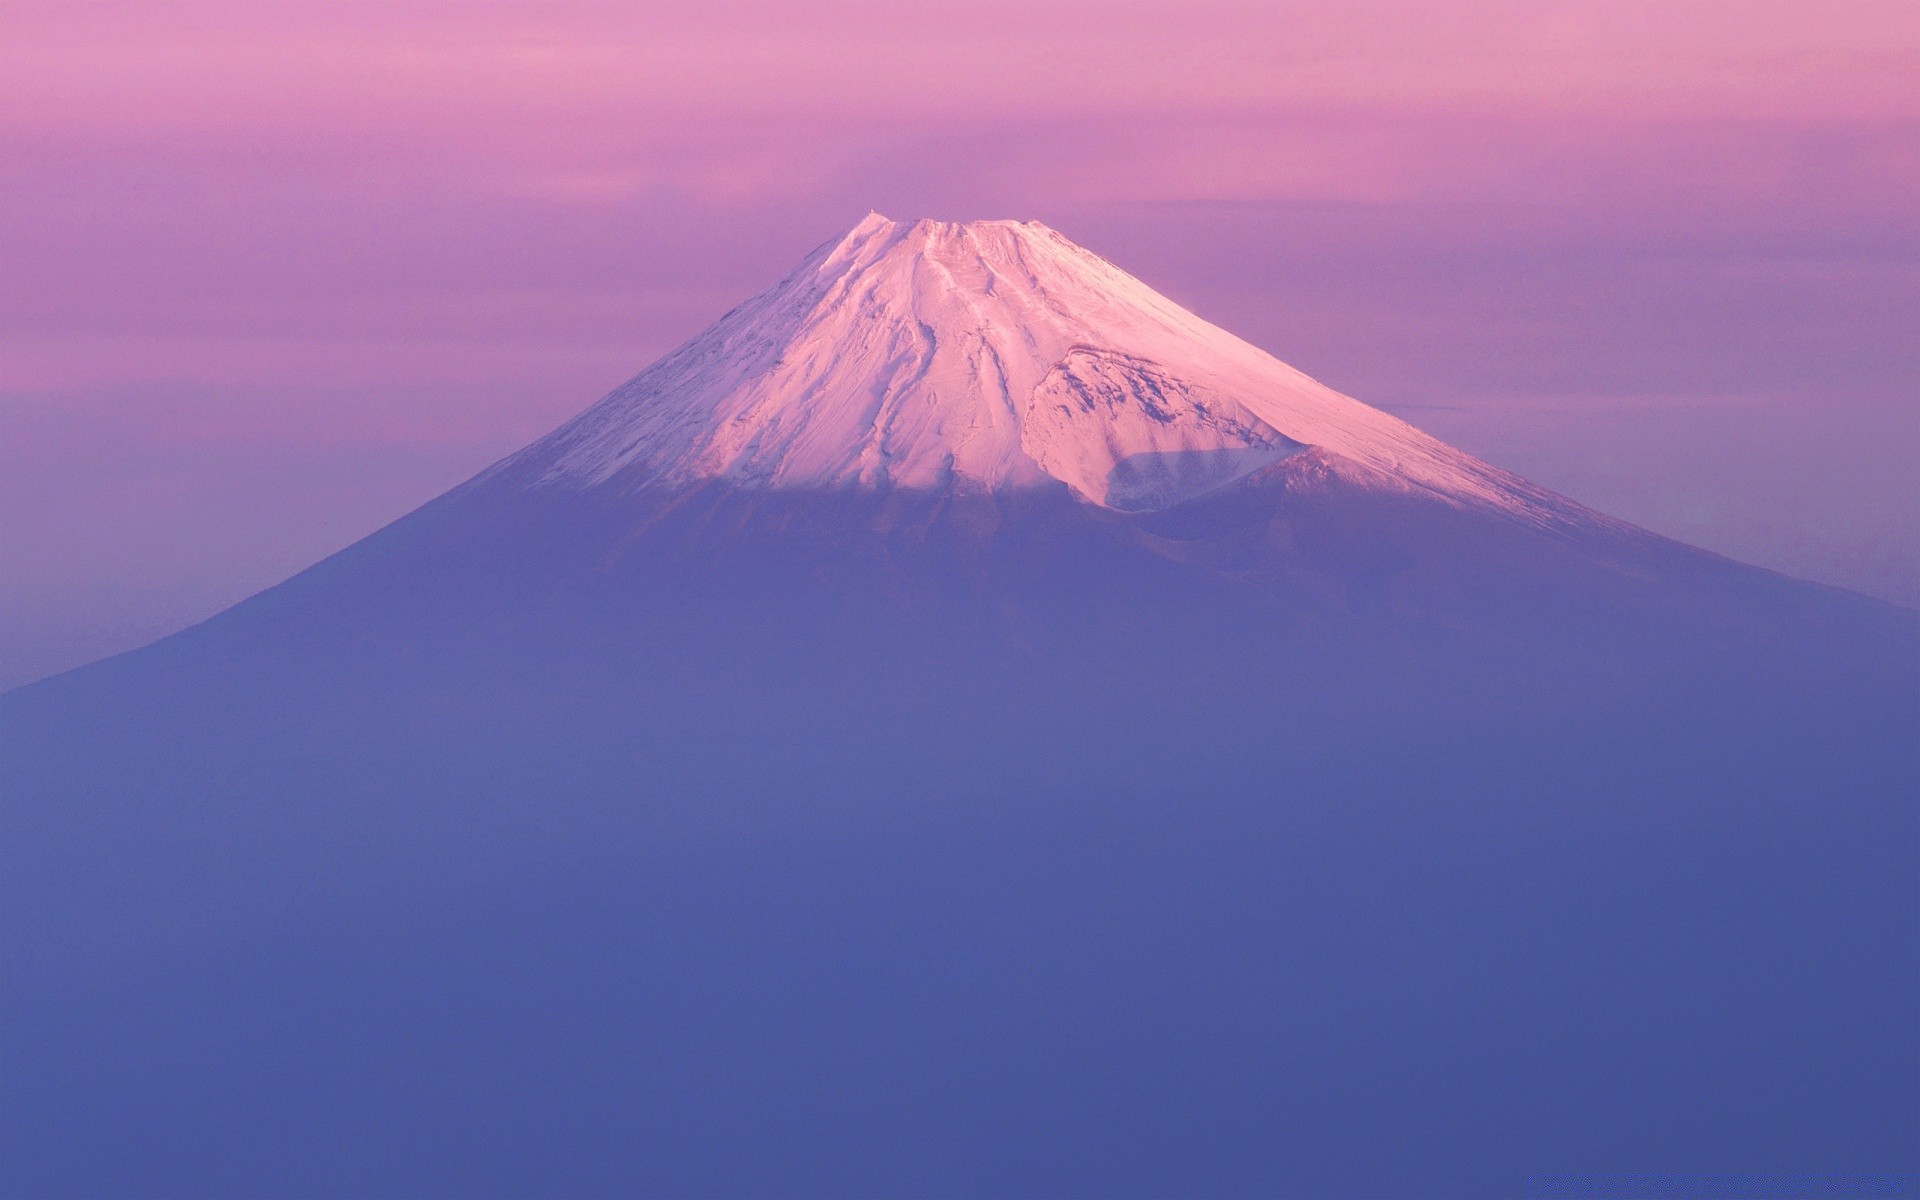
column 984, row 355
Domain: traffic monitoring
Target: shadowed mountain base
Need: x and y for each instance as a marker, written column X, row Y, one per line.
column 1307, row 839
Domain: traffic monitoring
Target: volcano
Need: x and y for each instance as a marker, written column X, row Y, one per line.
column 964, row 724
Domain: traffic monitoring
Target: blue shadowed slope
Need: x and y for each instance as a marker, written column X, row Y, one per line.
column 1302, row 840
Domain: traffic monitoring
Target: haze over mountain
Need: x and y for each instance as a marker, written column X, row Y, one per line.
column 963, row 724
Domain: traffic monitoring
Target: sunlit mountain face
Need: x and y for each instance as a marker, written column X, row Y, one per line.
column 965, row 725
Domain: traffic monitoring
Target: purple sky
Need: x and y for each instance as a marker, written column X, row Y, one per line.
column 271, row 274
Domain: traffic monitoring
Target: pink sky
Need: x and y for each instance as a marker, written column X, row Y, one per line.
column 276, row 272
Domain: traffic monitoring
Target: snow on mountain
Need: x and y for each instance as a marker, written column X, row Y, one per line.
column 984, row 356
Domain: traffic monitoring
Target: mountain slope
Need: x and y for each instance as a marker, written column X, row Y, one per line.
column 963, row 725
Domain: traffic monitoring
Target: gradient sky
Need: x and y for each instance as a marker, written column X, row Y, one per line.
column 272, row 274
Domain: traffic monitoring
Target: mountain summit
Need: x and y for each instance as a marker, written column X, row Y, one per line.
column 987, row 356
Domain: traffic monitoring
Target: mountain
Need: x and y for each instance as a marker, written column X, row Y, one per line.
column 965, row 725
